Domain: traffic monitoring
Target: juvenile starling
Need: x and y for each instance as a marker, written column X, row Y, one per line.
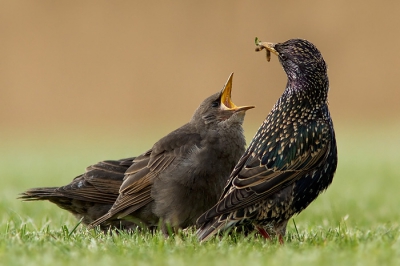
column 184, row 173
column 90, row 195
column 291, row 159
column 179, row 169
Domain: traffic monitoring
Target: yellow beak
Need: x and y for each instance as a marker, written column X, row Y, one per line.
column 226, row 100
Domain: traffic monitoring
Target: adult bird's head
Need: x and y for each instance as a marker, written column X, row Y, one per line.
column 219, row 108
column 304, row 66
column 300, row 59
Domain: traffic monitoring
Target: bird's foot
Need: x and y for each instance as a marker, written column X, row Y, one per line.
column 281, row 241
column 263, row 232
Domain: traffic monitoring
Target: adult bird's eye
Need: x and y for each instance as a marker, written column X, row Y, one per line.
column 215, row 104
column 283, row 57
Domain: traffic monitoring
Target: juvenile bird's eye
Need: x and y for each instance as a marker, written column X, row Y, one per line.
column 215, row 104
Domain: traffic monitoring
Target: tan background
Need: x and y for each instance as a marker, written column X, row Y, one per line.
column 137, row 65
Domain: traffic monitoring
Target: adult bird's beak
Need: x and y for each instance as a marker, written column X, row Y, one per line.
column 268, row 46
column 226, row 101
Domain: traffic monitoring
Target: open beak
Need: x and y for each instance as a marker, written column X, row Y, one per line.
column 226, row 101
column 268, row 46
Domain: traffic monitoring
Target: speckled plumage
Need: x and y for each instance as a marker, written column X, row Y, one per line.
column 291, row 159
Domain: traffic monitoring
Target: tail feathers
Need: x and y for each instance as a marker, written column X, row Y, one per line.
column 212, row 227
column 100, row 221
column 44, row 193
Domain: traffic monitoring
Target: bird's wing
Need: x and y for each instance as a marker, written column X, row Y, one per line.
column 135, row 191
column 100, row 184
column 274, row 159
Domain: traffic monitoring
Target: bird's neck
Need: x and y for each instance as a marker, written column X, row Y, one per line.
column 308, row 90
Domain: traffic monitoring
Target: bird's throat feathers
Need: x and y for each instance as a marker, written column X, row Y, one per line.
column 314, row 91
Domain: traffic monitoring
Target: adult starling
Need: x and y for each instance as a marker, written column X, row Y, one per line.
column 184, row 173
column 291, row 159
column 90, row 195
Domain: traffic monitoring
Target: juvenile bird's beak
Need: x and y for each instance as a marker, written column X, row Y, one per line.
column 226, row 101
column 268, row 46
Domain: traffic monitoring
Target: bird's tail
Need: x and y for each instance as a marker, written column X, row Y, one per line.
column 212, row 227
column 100, row 221
column 41, row 193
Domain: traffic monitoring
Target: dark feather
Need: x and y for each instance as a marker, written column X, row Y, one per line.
column 292, row 157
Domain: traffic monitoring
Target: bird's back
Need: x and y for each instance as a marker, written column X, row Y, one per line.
column 291, row 159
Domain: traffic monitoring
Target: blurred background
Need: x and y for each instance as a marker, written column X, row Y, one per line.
column 140, row 65
column 83, row 81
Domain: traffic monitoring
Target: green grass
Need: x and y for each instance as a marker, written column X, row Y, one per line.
column 356, row 222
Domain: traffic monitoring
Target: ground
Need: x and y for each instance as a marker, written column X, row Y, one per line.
column 356, row 222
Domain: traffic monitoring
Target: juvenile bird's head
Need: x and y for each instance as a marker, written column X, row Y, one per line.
column 299, row 58
column 219, row 108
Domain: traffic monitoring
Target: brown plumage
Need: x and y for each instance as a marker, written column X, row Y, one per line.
column 291, row 159
column 90, row 195
column 184, row 173
column 175, row 181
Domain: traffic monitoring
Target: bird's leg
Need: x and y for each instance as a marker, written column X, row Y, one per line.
column 165, row 229
column 168, row 229
column 281, row 241
column 280, row 230
column 263, row 232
